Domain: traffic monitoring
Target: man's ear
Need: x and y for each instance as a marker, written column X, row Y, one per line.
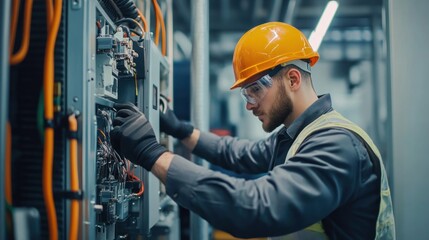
column 294, row 80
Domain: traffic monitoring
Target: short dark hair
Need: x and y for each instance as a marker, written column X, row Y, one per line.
column 306, row 76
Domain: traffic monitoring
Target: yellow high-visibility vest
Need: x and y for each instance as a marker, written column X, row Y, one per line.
column 385, row 226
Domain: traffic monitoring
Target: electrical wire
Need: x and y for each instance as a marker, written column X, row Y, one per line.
column 141, row 188
column 108, row 120
column 109, row 162
column 127, row 30
column 114, row 165
column 48, row 86
column 14, row 23
column 143, row 19
column 164, row 34
column 25, row 42
column 136, row 33
column 134, row 177
column 136, row 85
column 74, row 183
column 157, row 22
column 102, row 133
column 160, row 17
column 131, row 21
column 47, row 183
column 49, row 13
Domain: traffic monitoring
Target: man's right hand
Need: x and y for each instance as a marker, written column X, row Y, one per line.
column 133, row 136
column 171, row 125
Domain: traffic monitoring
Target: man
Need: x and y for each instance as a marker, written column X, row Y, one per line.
column 324, row 176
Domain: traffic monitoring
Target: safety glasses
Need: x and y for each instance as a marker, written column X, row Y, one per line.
column 256, row 91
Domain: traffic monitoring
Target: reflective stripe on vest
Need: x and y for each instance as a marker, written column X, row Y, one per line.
column 385, row 227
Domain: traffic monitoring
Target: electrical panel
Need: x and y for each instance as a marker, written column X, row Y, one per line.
column 102, row 56
column 127, row 69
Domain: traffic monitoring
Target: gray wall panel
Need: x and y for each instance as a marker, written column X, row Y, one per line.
column 409, row 86
column 4, row 97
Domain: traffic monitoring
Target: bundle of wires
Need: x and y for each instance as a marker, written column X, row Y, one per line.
column 110, row 163
column 139, row 32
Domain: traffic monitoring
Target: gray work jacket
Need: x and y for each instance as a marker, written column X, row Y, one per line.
column 330, row 178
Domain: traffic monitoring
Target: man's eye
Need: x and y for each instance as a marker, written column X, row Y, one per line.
column 255, row 88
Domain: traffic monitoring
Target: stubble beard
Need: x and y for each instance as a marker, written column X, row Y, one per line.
column 280, row 111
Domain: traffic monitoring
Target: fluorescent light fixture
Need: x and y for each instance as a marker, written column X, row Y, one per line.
column 317, row 35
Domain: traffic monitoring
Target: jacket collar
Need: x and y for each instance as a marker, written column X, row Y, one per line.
column 321, row 106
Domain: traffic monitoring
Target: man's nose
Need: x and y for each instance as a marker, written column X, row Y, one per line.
column 250, row 106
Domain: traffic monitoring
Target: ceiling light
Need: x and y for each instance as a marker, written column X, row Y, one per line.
column 317, row 35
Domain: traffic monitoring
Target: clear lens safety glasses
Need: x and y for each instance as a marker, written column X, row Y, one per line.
column 256, row 91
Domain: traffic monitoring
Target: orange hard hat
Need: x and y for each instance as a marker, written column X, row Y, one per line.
column 267, row 46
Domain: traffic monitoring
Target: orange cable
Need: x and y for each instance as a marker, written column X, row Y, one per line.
column 164, row 36
column 157, row 25
column 102, row 133
column 47, row 183
column 98, row 24
column 143, row 20
column 49, row 13
column 8, row 164
column 14, row 23
column 138, row 179
column 8, row 150
column 141, row 189
column 74, row 183
column 25, row 42
column 48, row 86
column 161, row 19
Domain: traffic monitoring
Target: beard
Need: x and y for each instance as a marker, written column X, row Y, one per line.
column 280, row 111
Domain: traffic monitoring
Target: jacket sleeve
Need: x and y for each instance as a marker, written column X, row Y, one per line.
column 291, row 197
column 238, row 155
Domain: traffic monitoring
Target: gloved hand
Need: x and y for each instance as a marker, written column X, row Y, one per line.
column 171, row 125
column 133, row 136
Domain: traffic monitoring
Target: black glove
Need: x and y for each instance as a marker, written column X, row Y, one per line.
column 133, row 136
column 169, row 124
